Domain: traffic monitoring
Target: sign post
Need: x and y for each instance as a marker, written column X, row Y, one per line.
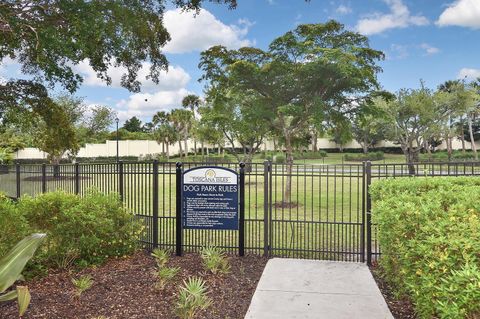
column 241, row 230
column 211, row 198
column 178, row 219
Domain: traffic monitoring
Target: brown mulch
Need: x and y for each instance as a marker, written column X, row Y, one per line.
column 125, row 288
column 401, row 308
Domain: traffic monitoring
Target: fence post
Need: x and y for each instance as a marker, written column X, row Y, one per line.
column 364, row 203
column 155, row 204
column 120, row 180
column 241, row 228
column 77, row 178
column 266, row 242
column 17, row 173
column 368, row 212
column 178, row 219
column 44, row 178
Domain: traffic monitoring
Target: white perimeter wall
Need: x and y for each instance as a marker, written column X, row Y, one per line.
column 141, row 148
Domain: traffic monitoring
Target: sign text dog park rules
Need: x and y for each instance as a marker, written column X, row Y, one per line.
column 210, row 198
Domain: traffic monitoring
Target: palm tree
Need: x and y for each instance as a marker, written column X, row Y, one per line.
column 165, row 134
column 192, row 102
column 182, row 122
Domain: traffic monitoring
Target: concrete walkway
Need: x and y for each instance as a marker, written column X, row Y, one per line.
column 294, row 288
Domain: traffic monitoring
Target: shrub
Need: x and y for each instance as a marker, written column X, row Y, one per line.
column 463, row 156
column 310, row 155
column 13, row 225
column 214, row 260
column 279, row 158
column 81, row 230
column 371, row 156
column 192, row 298
column 429, row 231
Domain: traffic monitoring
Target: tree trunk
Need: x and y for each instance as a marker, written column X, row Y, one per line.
column 448, row 140
column 194, row 147
column 427, row 148
column 168, row 153
column 365, row 144
column 315, row 148
column 180, row 148
column 56, row 166
column 186, row 145
column 163, row 148
column 203, row 149
column 462, row 138
column 472, row 141
column 219, row 151
column 365, row 148
column 289, row 160
column 408, row 152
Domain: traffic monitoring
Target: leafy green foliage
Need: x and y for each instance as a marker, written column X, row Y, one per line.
column 55, row 140
column 164, row 275
column 133, row 125
column 161, row 256
column 13, row 225
column 104, row 33
column 429, row 231
column 11, row 267
column 371, row 156
column 192, row 298
column 214, row 260
column 340, row 67
column 82, row 284
column 279, row 158
column 81, row 230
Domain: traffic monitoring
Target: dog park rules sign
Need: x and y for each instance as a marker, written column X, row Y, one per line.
column 210, row 198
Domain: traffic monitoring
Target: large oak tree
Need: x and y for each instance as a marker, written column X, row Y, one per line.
column 303, row 75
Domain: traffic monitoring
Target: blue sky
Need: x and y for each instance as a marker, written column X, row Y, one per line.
column 433, row 40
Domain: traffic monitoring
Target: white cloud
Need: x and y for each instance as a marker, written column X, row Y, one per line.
column 173, row 79
column 468, row 73
column 399, row 17
column 397, row 52
column 144, row 105
column 429, row 49
column 463, row 13
column 190, row 32
column 342, row 9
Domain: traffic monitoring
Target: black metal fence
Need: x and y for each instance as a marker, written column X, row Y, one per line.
column 325, row 215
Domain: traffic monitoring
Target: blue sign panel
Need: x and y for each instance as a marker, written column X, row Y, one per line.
column 210, row 198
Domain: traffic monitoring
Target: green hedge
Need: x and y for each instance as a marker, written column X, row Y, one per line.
column 429, row 233
column 371, row 156
column 442, row 156
column 80, row 231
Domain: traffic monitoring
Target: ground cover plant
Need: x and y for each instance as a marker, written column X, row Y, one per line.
column 430, row 239
column 82, row 284
column 192, row 298
column 214, row 260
